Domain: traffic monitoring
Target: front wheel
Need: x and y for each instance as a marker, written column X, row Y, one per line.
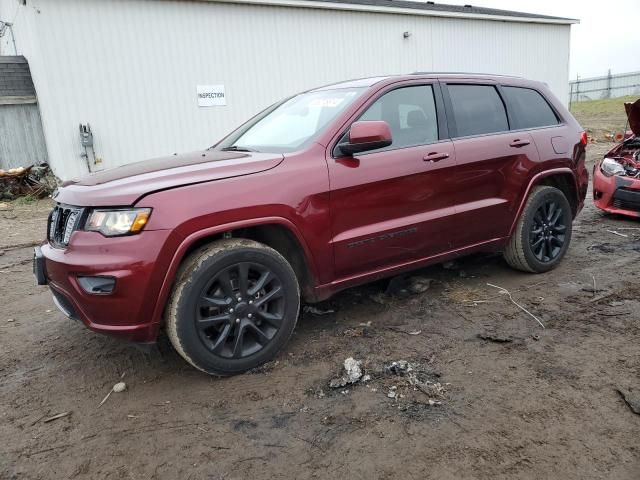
column 543, row 232
column 234, row 306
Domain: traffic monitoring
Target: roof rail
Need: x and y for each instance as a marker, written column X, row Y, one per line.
column 464, row 73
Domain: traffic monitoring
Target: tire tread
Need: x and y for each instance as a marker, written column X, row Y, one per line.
column 514, row 252
column 190, row 265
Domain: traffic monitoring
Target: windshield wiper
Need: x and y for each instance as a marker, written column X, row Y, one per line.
column 237, row 148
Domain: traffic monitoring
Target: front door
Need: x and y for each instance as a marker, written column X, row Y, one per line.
column 394, row 205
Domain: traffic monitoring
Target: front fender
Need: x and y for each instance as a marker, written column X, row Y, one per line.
column 190, row 240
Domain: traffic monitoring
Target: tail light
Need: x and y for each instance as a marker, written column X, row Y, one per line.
column 583, row 138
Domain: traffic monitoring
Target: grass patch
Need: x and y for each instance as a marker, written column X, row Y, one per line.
column 26, row 200
column 600, row 117
column 605, row 106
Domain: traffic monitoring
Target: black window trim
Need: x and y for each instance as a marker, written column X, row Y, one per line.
column 441, row 118
column 453, row 129
column 559, row 118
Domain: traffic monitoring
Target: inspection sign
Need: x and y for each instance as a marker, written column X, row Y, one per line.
column 211, row 96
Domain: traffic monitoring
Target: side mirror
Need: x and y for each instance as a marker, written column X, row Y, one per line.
column 365, row 136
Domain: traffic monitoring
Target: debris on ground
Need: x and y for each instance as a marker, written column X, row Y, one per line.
column 56, row 417
column 33, row 181
column 352, row 374
column 504, row 291
column 419, row 284
column 379, row 298
column 360, row 331
column 117, row 388
column 403, row 286
column 317, row 311
column 414, row 378
column 401, row 367
column 393, row 328
column 495, row 337
column 631, row 398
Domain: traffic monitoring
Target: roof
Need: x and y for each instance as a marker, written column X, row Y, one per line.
column 370, row 81
column 15, row 77
column 408, row 7
column 445, row 8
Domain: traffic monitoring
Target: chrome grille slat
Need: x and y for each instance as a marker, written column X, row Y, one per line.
column 62, row 219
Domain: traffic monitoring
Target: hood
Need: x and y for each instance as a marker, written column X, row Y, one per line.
column 125, row 185
column 633, row 114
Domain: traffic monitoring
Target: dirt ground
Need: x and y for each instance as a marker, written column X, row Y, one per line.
column 541, row 403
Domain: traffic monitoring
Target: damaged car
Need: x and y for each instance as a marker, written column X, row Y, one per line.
column 326, row 190
column 616, row 178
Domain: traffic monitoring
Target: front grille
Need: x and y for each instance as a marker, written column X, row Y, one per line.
column 627, row 199
column 63, row 221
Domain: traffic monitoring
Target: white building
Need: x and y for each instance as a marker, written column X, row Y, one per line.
column 131, row 68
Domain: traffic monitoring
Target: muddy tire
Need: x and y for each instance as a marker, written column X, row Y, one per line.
column 234, row 305
column 543, row 232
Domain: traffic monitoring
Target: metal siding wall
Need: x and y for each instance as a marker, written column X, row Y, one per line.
column 21, row 138
column 130, row 67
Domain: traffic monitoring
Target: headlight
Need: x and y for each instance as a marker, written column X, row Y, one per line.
column 113, row 222
column 610, row 167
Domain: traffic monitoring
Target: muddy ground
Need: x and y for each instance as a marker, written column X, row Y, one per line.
column 543, row 403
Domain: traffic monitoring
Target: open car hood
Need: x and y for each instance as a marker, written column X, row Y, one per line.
column 633, row 114
column 123, row 186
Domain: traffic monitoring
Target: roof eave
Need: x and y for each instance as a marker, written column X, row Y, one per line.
column 319, row 4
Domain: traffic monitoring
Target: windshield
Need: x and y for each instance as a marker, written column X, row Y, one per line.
column 293, row 123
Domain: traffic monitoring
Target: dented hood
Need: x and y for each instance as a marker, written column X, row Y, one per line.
column 125, row 185
column 633, row 114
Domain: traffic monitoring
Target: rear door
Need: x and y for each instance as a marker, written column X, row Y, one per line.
column 491, row 161
column 394, row 205
column 529, row 111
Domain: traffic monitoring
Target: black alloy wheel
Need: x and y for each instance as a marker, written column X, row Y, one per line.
column 542, row 233
column 234, row 306
column 240, row 310
column 547, row 234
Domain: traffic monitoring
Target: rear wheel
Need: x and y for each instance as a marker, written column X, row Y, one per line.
column 234, row 306
column 543, row 232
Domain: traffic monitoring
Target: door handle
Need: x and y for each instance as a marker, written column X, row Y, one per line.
column 517, row 143
column 435, row 157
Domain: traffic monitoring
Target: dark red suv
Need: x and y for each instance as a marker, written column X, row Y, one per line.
column 325, row 190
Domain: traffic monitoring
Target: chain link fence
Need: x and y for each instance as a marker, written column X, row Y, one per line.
column 607, row 86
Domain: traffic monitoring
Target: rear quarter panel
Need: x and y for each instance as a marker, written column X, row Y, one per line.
column 559, row 149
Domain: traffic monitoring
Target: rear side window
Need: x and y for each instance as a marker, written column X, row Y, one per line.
column 529, row 108
column 477, row 109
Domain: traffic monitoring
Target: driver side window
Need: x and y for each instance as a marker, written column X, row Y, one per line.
column 410, row 113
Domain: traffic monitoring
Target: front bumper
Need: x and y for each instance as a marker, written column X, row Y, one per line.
column 138, row 263
column 616, row 194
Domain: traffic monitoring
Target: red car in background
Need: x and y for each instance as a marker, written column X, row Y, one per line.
column 616, row 178
column 325, row 190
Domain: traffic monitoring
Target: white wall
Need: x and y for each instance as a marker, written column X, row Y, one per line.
column 130, row 67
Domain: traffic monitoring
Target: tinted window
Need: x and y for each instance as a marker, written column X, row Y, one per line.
column 529, row 108
column 477, row 109
column 410, row 113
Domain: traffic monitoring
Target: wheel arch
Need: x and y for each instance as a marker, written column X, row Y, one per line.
column 275, row 232
column 561, row 178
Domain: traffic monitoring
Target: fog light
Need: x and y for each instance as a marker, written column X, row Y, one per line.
column 97, row 285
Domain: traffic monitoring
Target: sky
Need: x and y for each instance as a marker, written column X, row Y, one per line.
column 608, row 35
